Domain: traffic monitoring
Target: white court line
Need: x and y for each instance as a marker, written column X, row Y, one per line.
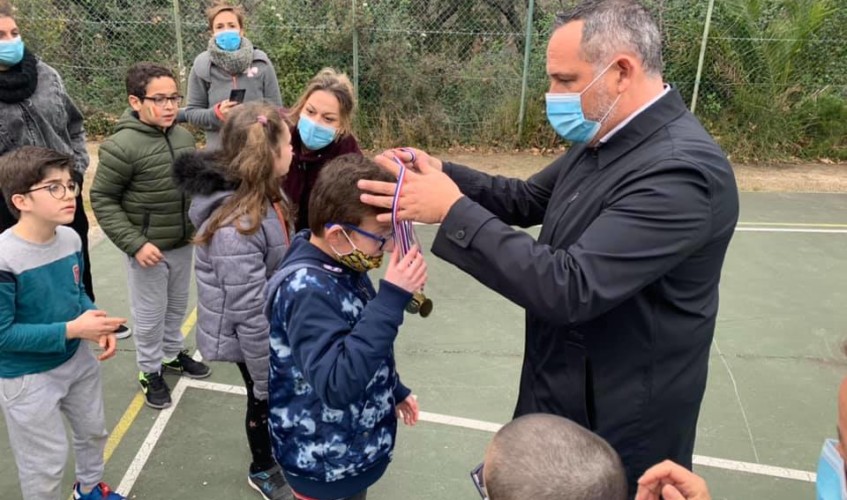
column 467, row 423
column 788, row 230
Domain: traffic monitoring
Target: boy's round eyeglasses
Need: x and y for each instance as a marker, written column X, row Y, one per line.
column 59, row 191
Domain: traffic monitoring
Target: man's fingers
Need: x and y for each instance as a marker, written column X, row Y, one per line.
column 388, row 164
column 377, row 201
column 669, row 492
column 377, row 187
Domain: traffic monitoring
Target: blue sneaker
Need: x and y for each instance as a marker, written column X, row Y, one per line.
column 100, row 492
column 270, row 484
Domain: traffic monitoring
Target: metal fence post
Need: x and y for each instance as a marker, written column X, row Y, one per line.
column 526, row 54
column 355, row 52
column 179, row 52
column 703, row 44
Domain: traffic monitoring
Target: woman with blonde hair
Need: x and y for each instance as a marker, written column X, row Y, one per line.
column 322, row 130
column 242, row 220
column 230, row 63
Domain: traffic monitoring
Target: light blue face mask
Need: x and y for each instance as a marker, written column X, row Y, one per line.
column 830, row 484
column 314, row 135
column 228, row 40
column 564, row 112
column 11, row 51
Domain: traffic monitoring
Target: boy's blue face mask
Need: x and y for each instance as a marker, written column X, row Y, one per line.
column 564, row 112
column 229, row 40
column 11, row 51
column 314, row 135
column 830, row 484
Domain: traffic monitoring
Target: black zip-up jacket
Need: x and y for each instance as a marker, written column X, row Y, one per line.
column 621, row 287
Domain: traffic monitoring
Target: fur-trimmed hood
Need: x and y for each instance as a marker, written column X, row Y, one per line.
column 199, row 176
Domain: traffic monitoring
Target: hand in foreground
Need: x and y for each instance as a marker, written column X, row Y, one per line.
column 426, row 195
column 408, row 410
column 408, row 273
column 108, row 343
column 91, row 325
column 670, row 481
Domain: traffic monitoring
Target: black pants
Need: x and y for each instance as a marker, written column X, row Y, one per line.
column 256, row 425
column 79, row 224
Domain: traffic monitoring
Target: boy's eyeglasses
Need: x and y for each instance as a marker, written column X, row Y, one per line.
column 381, row 239
column 59, row 191
column 161, row 101
column 479, row 481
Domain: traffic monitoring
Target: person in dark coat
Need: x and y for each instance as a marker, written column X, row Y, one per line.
column 621, row 287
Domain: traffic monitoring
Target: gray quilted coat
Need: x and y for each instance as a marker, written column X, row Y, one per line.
column 232, row 273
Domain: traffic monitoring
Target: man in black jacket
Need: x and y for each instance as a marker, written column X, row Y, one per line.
column 621, row 287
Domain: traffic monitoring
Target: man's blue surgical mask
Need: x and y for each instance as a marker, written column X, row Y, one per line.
column 314, row 135
column 564, row 112
column 11, row 51
column 831, row 481
column 228, row 40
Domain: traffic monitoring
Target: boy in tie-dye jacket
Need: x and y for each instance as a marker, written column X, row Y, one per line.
column 333, row 386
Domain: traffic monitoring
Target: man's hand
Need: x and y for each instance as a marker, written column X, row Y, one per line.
column 91, row 325
column 421, row 157
column 408, row 273
column 108, row 343
column 149, row 255
column 408, row 410
column 426, row 195
column 669, row 481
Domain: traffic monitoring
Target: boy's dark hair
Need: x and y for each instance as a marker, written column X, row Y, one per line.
column 547, row 457
column 335, row 197
column 139, row 75
column 22, row 168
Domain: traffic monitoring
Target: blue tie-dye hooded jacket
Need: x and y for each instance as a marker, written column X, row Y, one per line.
column 333, row 386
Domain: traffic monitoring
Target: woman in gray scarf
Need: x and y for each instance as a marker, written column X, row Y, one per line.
column 230, row 62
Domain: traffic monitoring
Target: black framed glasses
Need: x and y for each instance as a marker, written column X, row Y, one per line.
column 479, row 481
column 380, row 239
column 161, row 101
column 59, row 191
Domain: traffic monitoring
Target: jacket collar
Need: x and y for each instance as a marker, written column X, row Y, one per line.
column 643, row 126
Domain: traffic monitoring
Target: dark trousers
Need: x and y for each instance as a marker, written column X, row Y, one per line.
column 79, row 224
column 256, row 425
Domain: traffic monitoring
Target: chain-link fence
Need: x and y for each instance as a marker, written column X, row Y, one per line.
column 440, row 72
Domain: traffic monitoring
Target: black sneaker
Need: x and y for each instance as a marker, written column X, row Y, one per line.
column 270, row 484
column 184, row 365
column 123, row 332
column 156, row 392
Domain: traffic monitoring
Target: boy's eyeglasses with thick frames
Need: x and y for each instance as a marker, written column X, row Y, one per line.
column 479, row 481
column 381, row 239
column 161, row 101
column 59, row 191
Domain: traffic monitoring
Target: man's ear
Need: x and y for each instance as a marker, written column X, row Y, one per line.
column 626, row 67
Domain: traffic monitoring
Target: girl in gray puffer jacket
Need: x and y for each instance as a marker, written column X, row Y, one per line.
column 242, row 220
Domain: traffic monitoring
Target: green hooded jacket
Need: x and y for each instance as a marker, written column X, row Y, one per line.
column 134, row 195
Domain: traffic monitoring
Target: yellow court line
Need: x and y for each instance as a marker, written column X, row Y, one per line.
column 793, row 224
column 137, row 403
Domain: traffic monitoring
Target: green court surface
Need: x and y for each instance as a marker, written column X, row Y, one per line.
column 771, row 400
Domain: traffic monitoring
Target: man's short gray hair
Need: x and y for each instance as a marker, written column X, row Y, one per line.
column 617, row 25
column 547, row 457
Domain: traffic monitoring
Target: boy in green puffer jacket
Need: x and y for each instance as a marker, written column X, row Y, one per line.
column 142, row 211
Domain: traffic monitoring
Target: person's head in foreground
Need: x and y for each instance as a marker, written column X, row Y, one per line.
column 547, row 457
column 38, row 185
